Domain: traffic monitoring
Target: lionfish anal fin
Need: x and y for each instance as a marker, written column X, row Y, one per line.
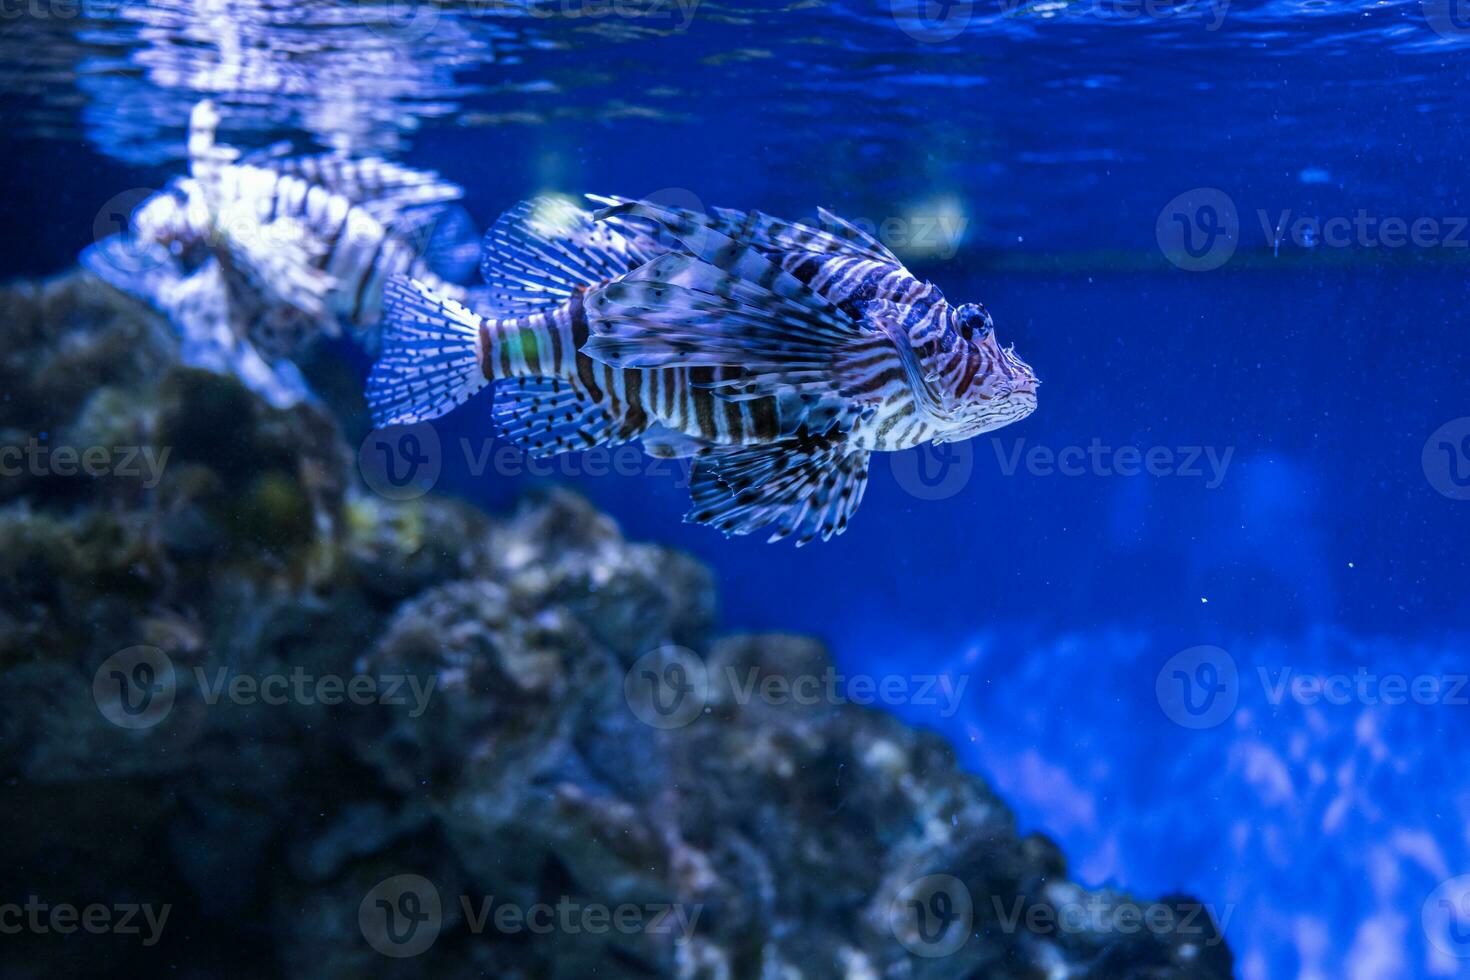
column 546, row 416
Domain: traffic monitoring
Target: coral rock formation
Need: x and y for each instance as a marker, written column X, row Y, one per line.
column 495, row 755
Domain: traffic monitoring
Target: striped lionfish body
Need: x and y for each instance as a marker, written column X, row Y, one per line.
column 300, row 244
column 778, row 355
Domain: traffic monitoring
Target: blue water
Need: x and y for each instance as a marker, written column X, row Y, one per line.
column 1036, row 157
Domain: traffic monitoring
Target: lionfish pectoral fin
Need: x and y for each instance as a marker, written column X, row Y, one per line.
column 809, row 487
column 541, row 252
column 546, row 416
column 732, row 310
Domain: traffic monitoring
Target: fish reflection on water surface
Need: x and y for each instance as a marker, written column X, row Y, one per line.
column 255, row 257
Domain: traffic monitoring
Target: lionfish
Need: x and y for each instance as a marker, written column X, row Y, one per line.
column 256, row 256
column 778, row 355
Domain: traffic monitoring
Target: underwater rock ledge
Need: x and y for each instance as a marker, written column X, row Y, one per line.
column 787, row 837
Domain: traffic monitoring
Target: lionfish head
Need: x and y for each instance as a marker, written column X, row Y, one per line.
column 990, row 386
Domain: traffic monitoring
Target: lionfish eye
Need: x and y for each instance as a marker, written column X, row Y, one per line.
column 974, row 322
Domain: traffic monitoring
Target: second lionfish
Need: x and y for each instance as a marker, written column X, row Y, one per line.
column 256, row 256
column 778, row 355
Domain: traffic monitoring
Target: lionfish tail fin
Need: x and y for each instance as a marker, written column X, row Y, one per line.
column 430, row 360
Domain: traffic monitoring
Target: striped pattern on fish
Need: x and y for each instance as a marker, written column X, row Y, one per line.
column 778, row 355
column 306, row 243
